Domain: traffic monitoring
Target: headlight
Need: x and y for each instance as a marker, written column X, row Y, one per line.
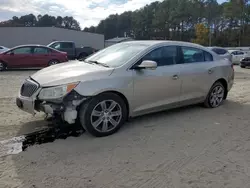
column 56, row 92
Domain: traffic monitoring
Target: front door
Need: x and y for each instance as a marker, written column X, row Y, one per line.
column 18, row 57
column 160, row 88
column 196, row 74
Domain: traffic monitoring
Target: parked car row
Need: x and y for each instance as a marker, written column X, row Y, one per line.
column 32, row 56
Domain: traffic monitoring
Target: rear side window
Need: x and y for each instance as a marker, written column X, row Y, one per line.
column 192, row 55
column 39, row 50
column 219, row 51
column 240, row 53
column 67, row 45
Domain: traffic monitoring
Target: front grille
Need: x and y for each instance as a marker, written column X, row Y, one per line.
column 28, row 88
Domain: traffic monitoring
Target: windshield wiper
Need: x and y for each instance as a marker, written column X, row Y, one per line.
column 98, row 63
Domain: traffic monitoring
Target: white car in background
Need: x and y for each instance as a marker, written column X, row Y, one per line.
column 237, row 56
column 3, row 49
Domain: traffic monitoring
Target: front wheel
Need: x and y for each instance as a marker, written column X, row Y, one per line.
column 242, row 66
column 2, row 66
column 53, row 62
column 103, row 115
column 215, row 96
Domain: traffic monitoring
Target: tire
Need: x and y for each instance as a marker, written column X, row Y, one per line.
column 2, row 66
column 98, row 120
column 82, row 56
column 242, row 66
column 53, row 62
column 214, row 96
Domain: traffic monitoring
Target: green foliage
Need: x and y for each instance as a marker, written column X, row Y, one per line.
column 201, row 32
column 42, row 21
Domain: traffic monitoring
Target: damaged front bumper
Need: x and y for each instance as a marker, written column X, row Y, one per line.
column 66, row 107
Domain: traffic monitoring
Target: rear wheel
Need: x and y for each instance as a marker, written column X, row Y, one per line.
column 103, row 115
column 2, row 66
column 82, row 56
column 53, row 62
column 215, row 96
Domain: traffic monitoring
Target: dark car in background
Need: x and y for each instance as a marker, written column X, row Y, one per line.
column 221, row 52
column 71, row 49
column 31, row 56
column 245, row 62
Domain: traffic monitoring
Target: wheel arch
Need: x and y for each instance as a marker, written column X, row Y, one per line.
column 82, row 53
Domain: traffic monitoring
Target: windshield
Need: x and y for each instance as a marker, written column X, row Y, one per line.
column 118, row 54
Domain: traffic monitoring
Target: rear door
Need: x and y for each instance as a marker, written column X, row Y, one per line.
column 41, row 56
column 20, row 57
column 196, row 72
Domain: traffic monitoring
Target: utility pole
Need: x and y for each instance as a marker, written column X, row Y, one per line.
column 210, row 35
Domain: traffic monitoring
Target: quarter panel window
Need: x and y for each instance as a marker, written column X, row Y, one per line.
column 192, row 55
column 208, row 56
column 163, row 56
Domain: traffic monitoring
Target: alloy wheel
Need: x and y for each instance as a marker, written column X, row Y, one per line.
column 106, row 116
column 216, row 96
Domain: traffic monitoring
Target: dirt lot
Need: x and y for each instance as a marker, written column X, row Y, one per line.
column 189, row 147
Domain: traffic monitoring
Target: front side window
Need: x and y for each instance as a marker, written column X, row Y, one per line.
column 23, row 50
column 39, row 50
column 118, row 54
column 192, row 55
column 163, row 56
column 55, row 45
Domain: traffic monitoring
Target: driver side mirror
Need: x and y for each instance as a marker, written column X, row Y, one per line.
column 147, row 64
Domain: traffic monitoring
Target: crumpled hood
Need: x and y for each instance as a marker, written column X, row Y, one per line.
column 69, row 72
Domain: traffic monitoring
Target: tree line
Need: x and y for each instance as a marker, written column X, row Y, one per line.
column 202, row 21
column 46, row 20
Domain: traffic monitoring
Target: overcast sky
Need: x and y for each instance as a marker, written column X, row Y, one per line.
column 87, row 12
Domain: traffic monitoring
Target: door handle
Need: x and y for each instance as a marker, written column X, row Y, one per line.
column 175, row 77
column 210, row 71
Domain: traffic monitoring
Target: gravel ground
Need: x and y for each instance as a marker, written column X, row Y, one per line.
column 188, row 147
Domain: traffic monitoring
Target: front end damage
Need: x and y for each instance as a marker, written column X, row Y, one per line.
column 66, row 107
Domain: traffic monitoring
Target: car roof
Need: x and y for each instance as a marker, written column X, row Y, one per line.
column 162, row 42
column 62, row 41
column 30, row 45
